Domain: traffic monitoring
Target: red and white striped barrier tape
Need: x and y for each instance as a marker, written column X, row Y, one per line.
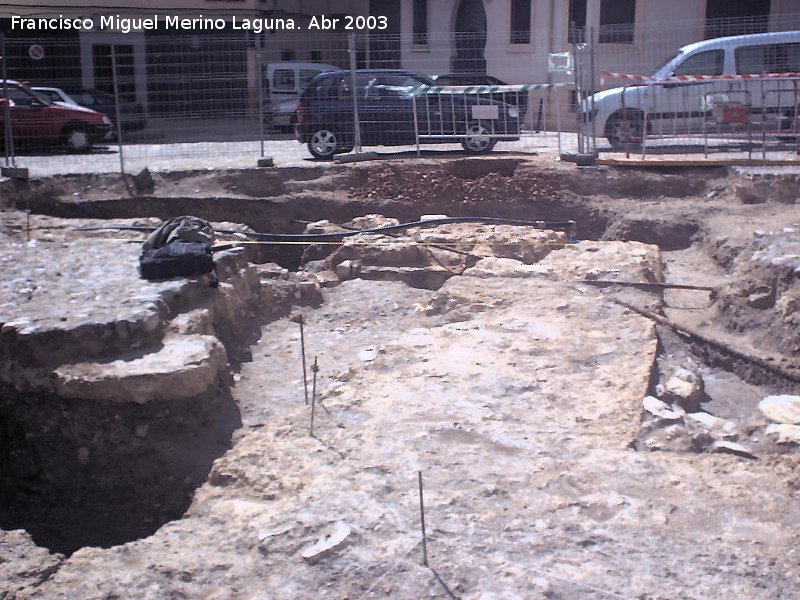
column 649, row 79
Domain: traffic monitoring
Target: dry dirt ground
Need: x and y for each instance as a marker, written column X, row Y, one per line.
column 511, row 378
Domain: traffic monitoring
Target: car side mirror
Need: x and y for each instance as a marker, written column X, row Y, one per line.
column 36, row 103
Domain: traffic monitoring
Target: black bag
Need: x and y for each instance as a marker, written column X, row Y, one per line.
column 181, row 247
column 176, row 259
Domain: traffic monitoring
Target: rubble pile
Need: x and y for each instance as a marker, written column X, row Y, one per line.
column 765, row 288
column 471, row 187
column 677, row 419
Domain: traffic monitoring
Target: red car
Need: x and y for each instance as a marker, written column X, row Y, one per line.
column 39, row 122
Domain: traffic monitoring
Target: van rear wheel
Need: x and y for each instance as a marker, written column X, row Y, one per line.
column 624, row 130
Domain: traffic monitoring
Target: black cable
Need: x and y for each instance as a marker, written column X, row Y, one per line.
column 338, row 235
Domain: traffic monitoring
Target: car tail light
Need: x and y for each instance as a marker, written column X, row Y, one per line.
column 301, row 112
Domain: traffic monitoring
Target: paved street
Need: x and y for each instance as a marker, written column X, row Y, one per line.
column 239, row 154
column 287, row 152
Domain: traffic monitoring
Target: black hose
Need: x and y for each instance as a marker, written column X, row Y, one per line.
column 338, row 235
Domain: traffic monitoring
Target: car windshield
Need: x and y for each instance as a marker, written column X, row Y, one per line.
column 416, row 80
column 38, row 95
column 401, row 81
column 462, row 80
column 665, row 63
column 55, row 96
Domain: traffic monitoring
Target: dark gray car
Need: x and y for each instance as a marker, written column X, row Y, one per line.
column 386, row 101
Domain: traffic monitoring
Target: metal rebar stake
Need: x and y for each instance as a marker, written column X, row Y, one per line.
column 260, row 84
column 10, row 156
column 422, row 521
column 314, row 370
column 118, row 117
column 351, row 41
column 298, row 318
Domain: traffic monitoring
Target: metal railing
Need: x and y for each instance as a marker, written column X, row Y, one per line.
column 479, row 116
column 228, row 98
column 685, row 115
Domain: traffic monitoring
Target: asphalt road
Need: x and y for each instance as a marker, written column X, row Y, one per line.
column 287, row 152
column 238, row 154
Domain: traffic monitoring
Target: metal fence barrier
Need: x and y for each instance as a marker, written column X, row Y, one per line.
column 729, row 115
column 227, row 98
column 480, row 116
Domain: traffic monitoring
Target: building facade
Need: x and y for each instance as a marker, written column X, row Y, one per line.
column 218, row 70
column 511, row 39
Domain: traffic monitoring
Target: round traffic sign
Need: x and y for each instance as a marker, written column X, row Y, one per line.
column 36, row 51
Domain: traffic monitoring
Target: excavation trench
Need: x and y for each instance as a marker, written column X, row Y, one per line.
column 80, row 472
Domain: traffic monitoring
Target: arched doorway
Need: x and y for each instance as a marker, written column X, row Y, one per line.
column 470, row 42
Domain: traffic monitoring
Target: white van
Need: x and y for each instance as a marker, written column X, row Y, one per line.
column 284, row 82
column 679, row 108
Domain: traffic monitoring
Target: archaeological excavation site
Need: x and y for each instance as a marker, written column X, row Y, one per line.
column 476, row 378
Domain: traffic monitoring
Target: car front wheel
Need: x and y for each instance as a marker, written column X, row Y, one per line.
column 478, row 140
column 77, row 138
column 324, row 143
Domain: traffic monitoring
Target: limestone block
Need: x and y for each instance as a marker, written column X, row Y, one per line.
column 429, row 278
column 662, row 410
column 781, row 409
column 784, row 434
column 704, row 420
column 725, row 447
column 685, row 387
column 185, row 366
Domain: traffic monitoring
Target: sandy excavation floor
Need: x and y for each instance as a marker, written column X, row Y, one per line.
column 517, row 392
column 519, row 418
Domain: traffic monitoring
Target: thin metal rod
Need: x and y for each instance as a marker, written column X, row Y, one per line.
column 314, row 370
column 416, row 121
column 356, row 119
column 422, row 521
column 260, row 84
column 593, row 86
column 298, row 318
column 303, row 353
column 116, row 109
column 579, row 92
column 11, row 160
